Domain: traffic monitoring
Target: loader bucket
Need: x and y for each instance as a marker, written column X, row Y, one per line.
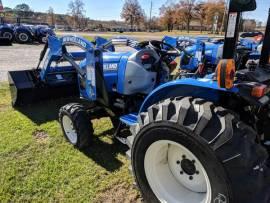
column 26, row 88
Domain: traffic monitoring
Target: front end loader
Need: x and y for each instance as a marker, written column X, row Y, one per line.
column 56, row 78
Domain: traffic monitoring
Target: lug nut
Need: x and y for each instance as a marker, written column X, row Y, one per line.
column 190, row 177
column 197, row 172
column 181, row 172
column 193, row 161
column 178, row 162
column 184, row 157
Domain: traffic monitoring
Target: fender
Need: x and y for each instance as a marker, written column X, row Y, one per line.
column 170, row 40
column 25, row 29
column 204, row 88
column 6, row 29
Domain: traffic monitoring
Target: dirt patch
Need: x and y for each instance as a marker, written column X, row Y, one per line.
column 4, row 107
column 122, row 193
column 40, row 135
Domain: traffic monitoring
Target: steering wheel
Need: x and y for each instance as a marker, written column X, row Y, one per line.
column 163, row 48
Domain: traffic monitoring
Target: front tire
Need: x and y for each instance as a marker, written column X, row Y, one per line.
column 43, row 39
column 179, row 139
column 8, row 35
column 76, row 125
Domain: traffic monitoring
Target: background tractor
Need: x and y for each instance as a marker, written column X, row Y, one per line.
column 25, row 33
column 194, row 139
column 6, row 33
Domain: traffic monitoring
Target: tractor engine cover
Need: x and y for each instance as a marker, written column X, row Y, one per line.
column 26, row 88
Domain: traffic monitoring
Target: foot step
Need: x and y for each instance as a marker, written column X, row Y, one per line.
column 128, row 154
column 130, row 140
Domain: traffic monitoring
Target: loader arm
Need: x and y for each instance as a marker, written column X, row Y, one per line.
column 61, row 74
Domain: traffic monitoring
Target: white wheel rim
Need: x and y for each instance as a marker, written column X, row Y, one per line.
column 44, row 39
column 69, row 129
column 7, row 35
column 23, row 37
column 168, row 177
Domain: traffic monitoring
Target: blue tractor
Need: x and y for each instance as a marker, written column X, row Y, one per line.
column 209, row 51
column 199, row 55
column 6, row 33
column 29, row 33
column 25, row 33
column 191, row 140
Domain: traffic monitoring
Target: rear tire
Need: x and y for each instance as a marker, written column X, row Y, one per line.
column 76, row 125
column 225, row 147
column 23, row 37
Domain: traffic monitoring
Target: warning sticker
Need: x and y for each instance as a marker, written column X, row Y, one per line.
column 231, row 25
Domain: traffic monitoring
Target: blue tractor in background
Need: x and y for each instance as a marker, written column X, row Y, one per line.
column 197, row 139
column 6, row 33
column 209, row 51
column 25, row 34
column 199, row 55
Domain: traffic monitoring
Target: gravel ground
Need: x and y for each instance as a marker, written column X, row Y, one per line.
column 137, row 36
column 18, row 57
column 22, row 57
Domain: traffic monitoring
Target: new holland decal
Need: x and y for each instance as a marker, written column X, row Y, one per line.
column 110, row 67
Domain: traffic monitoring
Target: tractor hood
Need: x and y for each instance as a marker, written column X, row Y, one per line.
column 111, row 60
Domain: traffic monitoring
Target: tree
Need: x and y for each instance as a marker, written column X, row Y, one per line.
column 77, row 11
column 132, row 13
column 249, row 25
column 23, row 10
column 200, row 13
column 51, row 16
column 167, row 16
column 187, row 9
column 215, row 8
column 7, row 9
column 155, row 23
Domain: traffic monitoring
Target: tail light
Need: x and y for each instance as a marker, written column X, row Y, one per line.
column 173, row 65
column 145, row 57
column 259, row 91
column 258, row 38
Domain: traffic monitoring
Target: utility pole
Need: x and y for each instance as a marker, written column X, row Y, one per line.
column 151, row 8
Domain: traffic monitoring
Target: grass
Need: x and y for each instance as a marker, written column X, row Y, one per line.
column 142, row 35
column 38, row 165
column 174, row 32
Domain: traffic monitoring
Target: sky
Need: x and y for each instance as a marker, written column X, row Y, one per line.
column 111, row 9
